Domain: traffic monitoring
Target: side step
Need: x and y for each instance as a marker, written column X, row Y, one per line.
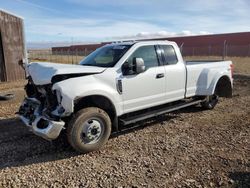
column 157, row 112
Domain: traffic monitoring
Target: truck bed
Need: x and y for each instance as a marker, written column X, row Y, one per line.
column 202, row 74
column 202, row 61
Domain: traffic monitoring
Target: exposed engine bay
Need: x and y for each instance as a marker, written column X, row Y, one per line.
column 41, row 110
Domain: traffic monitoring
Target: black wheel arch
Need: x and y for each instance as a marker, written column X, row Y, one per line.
column 101, row 102
column 224, row 87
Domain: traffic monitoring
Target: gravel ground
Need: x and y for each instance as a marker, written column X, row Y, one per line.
column 189, row 148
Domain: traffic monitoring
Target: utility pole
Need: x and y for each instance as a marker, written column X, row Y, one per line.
column 72, row 56
column 224, row 49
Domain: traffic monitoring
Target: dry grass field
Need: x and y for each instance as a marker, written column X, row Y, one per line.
column 187, row 148
column 46, row 55
column 242, row 65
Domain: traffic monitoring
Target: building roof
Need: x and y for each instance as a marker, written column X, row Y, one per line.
column 10, row 13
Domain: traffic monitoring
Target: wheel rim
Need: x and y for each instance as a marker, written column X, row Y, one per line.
column 92, row 131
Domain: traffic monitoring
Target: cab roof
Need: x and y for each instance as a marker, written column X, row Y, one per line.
column 152, row 42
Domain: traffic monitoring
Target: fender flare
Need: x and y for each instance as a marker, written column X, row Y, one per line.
column 228, row 87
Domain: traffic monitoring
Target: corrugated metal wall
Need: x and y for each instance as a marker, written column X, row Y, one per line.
column 235, row 44
column 81, row 49
column 11, row 28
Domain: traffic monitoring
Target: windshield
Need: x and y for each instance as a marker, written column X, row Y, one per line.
column 106, row 56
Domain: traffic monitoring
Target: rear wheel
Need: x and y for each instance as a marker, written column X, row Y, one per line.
column 210, row 102
column 89, row 130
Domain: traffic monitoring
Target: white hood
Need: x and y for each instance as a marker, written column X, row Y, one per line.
column 43, row 72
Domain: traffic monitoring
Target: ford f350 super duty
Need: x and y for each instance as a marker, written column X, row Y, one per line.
column 116, row 85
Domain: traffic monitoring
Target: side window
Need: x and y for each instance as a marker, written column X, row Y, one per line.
column 148, row 54
column 169, row 54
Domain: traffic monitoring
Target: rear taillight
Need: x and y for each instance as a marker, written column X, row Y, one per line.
column 232, row 69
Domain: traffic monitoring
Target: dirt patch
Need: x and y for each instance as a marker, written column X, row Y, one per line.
column 188, row 148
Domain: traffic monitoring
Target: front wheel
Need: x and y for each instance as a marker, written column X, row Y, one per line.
column 210, row 102
column 89, row 130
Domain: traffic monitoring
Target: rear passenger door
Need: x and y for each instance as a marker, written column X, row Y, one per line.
column 146, row 89
column 175, row 73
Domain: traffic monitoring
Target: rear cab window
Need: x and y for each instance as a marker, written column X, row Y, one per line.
column 169, row 55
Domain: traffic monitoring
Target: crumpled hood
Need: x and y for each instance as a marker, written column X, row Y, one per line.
column 43, row 72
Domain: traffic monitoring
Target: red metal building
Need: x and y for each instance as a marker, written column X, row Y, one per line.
column 230, row 44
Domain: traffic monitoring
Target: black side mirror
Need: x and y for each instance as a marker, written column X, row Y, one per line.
column 127, row 68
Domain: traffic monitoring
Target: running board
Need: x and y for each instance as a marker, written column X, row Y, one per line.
column 157, row 112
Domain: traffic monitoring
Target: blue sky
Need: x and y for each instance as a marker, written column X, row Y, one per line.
column 96, row 20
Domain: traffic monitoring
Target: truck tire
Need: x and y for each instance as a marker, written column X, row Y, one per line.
column 210, row 102
column 89, row 129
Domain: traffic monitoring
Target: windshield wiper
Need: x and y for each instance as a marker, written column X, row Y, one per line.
column 87, row 65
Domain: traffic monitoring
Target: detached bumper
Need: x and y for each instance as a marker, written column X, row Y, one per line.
column 29, row 113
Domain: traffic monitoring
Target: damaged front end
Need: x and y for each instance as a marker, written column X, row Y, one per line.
column 41, row 111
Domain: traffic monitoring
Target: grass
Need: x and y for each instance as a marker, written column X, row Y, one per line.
column 46, row 55
column 66, row 59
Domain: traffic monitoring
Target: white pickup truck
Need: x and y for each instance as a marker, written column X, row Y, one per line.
column 117, row 85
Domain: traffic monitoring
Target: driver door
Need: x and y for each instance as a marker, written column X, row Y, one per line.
column 146, row 89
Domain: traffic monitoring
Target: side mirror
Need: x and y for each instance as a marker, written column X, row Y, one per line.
column 136, row 67
column 139, row 65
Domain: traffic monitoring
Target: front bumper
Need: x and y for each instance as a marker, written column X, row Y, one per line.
column 30, row 114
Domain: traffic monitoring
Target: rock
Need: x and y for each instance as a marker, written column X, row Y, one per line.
column 190, row 180
column 231, row 181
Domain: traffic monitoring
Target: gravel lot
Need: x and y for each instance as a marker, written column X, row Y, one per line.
column 189, row 148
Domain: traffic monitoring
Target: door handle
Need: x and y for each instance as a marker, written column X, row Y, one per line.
column 161, row 75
